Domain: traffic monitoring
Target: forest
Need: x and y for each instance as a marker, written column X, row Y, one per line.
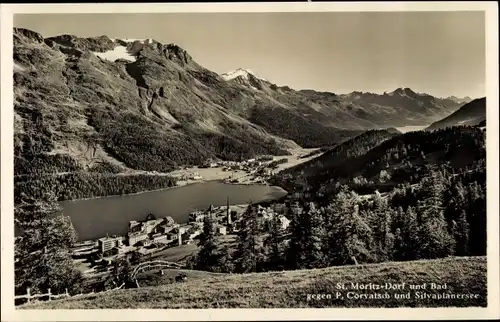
column 379, row 160
column 444, row 214
column 375, row 198
column 301, row 129
column 81, row 185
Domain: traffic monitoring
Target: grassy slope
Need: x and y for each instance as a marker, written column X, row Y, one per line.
column 290, row 289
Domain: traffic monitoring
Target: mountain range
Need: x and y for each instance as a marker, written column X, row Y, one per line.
column 137, row 104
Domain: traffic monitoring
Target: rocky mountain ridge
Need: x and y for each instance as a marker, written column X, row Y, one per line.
column 143, row 105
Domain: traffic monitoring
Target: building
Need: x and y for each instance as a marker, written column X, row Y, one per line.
column 221, row 230
column 166, row 225
column 106, row 244
column 197, row 216
column 285, row 222
column 136, row 232
column 141, row 231
column 134, row 238
column 159, row 238
column 196, row 176
column 179, row 237
column 184, row 228
column 194, row 234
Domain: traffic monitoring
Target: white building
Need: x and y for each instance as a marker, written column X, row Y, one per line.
column 221, row 230
column 285, row 222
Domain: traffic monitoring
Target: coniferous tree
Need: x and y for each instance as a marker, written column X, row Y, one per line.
column 406, row 242
column 398, row 218
column 382, row 234
column 121, row 272
column 461, row 234
column 225, row 260
column 274, row 242
column 476, row 210
column 399, row 244
column 455, row 201
column 313, row 238
column 42, row 253
column 435, row 240
column 247, row 252
column 294, row 253
column 349, row 235
column 207, row 257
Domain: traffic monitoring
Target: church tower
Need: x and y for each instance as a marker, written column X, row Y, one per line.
column 179, row 236
column 228, row 213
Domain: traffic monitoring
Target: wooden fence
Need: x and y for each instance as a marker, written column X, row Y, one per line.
column 28, row 296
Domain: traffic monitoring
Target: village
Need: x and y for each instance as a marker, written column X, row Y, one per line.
column 156, row 237
column 251, row 171
column 165, row 239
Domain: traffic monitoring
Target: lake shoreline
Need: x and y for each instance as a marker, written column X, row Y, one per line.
column 97, row 217
column 215, row 174
column 173, row 187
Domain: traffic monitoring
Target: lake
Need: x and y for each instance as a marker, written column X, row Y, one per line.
column 94, row 218
column 411, row 128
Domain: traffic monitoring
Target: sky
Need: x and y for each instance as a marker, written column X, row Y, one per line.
column 439, row 53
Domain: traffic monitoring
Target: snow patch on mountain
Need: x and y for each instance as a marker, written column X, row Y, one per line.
column 240, row 72
column 119, row 52
column 144, row 41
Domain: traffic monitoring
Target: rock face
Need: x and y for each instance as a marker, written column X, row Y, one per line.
column 473, row 113
column 81, row 103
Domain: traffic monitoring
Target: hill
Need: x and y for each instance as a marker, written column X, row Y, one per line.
column 300, row 175
column 382, row 160
column 291, row 288
column 472, row 113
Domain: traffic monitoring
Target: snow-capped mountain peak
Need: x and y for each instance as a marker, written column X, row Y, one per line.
column 125, row 48
column 240, row 72
column 130, row 40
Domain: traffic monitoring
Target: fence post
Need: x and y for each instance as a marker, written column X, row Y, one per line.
column 49, row 294
column 67, row 294
column 29, row 296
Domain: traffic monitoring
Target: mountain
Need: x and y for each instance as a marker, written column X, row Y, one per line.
column 459, row 100
column 242, row 74
column 100, row 104
column 400, row 107
column 472, row 113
